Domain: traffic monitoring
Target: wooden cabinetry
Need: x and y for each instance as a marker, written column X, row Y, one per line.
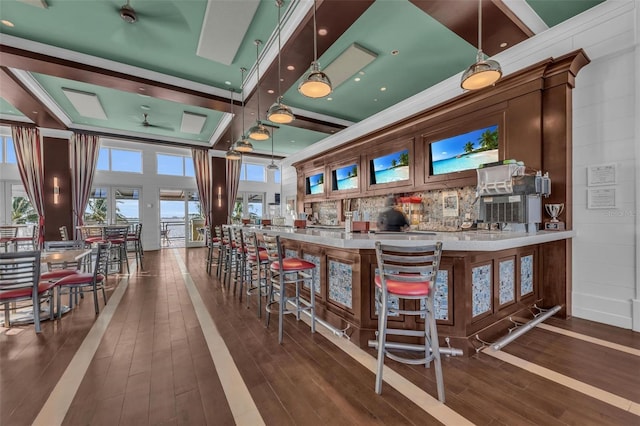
column 475, row 290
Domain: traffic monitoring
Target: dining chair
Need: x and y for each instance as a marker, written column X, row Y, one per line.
column 64, row 235
column 58, row 270
column 8, row 235
column 408, row 273
column 20, row 284
column 85, row 282
column 30, row 242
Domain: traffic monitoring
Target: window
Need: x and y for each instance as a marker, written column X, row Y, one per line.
column 175, row 165
column 120, row 160
column 123, row 207
column 248, row 205
column 277, row 176
column 7, row 150
column 22, row 212
column 253, row 172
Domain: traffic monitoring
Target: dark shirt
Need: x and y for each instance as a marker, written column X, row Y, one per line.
column 392, row 219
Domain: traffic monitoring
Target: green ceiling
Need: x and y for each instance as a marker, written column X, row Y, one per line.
column 166, row 35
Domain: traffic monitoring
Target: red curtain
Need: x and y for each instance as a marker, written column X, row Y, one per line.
column 233, row 181
column 28, row 147
column 204, row 180
column 83, row 152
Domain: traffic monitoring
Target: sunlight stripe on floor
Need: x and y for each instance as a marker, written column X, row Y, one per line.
column 595, row 341
column 55, row 408
column 592, row 391
column 243, row 408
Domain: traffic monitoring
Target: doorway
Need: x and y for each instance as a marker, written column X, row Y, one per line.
column 181, row 219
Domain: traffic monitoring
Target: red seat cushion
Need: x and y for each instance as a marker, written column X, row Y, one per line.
column 56, row 274
column 262, row 254
column 92, row 240
column 401, row 288
column 116, row 240
column 81, row 278
column 292, row 264
column 25, row 291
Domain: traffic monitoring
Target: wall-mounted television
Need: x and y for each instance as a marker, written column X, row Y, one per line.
column 464, row 152
column 345, row 178
column 315, row 184
column 390, row 168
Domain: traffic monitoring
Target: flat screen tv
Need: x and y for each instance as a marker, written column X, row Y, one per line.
column 345, row 178
column 464, row 152
column 315, row 184
column 390, row 168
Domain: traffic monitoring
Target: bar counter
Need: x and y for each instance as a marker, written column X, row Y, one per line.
column 484, row 278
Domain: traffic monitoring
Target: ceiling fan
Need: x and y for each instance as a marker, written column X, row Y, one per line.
column 161, row 12
column 145, row 123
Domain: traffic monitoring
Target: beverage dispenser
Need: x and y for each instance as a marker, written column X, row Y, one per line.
column 509, row 197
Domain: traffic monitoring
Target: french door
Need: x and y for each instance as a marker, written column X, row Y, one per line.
column 181, row 218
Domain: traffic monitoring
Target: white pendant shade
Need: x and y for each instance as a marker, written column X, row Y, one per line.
column 280, row 113
column 316, row 84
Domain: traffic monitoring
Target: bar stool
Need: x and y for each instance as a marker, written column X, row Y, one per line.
column 117, row 236
column 239, row 260
column 221, row 248
column 288, row 271
column 408, row 273
column 228, row 255
column 257, row 260
column 213, row 248
column 136, row 239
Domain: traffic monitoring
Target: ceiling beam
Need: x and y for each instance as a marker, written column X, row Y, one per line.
column 499, row 24
column 22, row 99
column 44, row 64
column 334, row 16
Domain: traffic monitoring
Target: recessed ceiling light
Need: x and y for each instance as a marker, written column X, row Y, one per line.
column 382, row 89
column 271, row 91
column 375, row 100
column 291, row 67
column 394, row 52
column 7, row 23
column 504, row 44
column 329, row 99
column 361, row 73
column 356, row 79
column 142, row 89
column 228, row 83
column 145, row 107
column 293, row 141
column 323, row 32
column 35, row 112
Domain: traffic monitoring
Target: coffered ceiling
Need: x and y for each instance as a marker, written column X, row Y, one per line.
column 182, row 60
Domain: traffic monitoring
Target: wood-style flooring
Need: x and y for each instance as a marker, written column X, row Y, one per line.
column 154, row 364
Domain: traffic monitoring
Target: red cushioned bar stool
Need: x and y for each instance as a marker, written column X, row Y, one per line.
column 288, row 272
column 408, row 273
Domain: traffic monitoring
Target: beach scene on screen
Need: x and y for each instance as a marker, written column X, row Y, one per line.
column 466, row 151
column 391, row 168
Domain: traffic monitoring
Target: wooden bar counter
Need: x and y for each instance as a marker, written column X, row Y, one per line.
column 484, row 277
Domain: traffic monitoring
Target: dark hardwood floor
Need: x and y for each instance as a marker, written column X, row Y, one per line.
column 154, row 365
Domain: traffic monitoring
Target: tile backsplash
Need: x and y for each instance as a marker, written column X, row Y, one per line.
column 430, row 210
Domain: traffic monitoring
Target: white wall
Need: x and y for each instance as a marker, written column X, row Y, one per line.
column 605, row 132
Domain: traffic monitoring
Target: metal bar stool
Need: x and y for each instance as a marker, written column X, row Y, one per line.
column 257, row 261
column 228, row 255
column 287, row 272
column 213, row 247
column 408, row 273
column 239, row 251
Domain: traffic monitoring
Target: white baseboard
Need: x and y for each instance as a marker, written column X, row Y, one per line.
column 603, row 317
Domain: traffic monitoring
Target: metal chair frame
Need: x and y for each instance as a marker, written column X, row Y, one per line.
column 256, row 268
column 282, row 278
column 412, row 272
column 20, row 282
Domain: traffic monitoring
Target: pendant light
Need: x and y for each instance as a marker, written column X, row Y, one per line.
column 242, row 144
column 315, row 84
column 272, row 166
column 258, row 132
column 483, row 73
column 279, row 112
column 232, row 154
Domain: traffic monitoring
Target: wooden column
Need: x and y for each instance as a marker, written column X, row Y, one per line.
column 557, row 114
column 56, row 165
column 219, row 176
